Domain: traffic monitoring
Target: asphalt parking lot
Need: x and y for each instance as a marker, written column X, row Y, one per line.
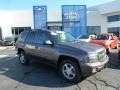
column 37, row 76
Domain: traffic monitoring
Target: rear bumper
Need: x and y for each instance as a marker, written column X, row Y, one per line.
column 6, row 43
column 88, row 69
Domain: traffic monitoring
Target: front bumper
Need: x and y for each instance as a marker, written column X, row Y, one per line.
column 88, row 69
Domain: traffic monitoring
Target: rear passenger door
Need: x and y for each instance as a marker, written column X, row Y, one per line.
column 21, row 40
column 30, row 43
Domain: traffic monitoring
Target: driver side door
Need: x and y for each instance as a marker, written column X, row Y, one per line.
column 45, row 51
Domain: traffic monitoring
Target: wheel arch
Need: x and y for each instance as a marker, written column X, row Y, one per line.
column 19, row 50
column 63, row 57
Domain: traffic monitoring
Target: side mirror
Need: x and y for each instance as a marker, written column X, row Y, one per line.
column 48, row 42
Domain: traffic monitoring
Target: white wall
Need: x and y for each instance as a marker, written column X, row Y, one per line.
column 94, row 18
column 106, row 8
column 113, row 24
column 54, row 15
column 10, row 19
column 22, row 18
column 110, row 7
column 103, row 24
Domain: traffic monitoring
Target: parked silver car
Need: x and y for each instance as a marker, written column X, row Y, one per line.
column 86, row 38
column 7, row 41
column 74, row 59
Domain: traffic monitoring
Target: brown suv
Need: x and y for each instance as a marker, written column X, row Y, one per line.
column 73, row 58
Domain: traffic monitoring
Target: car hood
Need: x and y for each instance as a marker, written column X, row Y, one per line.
column 85, row 46
column 85, row 40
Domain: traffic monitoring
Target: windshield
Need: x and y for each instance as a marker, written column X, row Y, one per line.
column 65, row 37
column 102, row 37
column 84, row 37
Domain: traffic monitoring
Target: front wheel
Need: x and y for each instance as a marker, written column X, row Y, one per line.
column 22, row 58
column 70, row 71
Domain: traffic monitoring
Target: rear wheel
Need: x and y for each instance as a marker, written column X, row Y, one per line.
column 70, row 71
column 23, row 58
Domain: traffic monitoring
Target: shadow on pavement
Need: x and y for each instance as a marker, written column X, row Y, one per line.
column 36, row 74
column 114, row 63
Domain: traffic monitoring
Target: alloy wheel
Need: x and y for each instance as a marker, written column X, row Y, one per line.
column 69, row 71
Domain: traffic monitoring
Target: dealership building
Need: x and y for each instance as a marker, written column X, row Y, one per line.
column 101, row 18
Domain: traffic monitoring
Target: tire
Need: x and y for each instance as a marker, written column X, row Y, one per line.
column 23, row 58
column 70, row 71
column 108, row 51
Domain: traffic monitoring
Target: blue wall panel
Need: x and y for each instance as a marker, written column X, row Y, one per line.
column 74, row 19
column 40, row 17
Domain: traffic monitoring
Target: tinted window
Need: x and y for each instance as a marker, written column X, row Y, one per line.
column 22, row 36
column 54, row 28
column 113, row 18
column 94, row 29
column 102, row 37
column 65, row 37
column 84, row 37
column 42, row 37
column 30, row 37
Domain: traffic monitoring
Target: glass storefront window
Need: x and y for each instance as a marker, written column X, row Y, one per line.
column 113, row 18
column 54, row 28
column 94, row 29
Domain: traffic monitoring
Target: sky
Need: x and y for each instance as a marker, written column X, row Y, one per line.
column 51, row 4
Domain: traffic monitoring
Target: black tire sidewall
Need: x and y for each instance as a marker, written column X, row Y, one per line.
column 26, row 59
column 78, row 76
column 108, row 50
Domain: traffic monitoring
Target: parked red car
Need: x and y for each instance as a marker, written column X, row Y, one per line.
column 109, row 41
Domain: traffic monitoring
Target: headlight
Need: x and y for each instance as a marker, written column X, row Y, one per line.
column 93, row 57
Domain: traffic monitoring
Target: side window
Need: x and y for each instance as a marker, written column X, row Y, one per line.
column 30, row 37
column 42, row 37
column 22, row 36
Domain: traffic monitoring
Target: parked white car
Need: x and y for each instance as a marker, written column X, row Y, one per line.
column 86, row 38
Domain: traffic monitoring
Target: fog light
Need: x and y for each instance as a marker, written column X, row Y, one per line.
column 94, row 70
